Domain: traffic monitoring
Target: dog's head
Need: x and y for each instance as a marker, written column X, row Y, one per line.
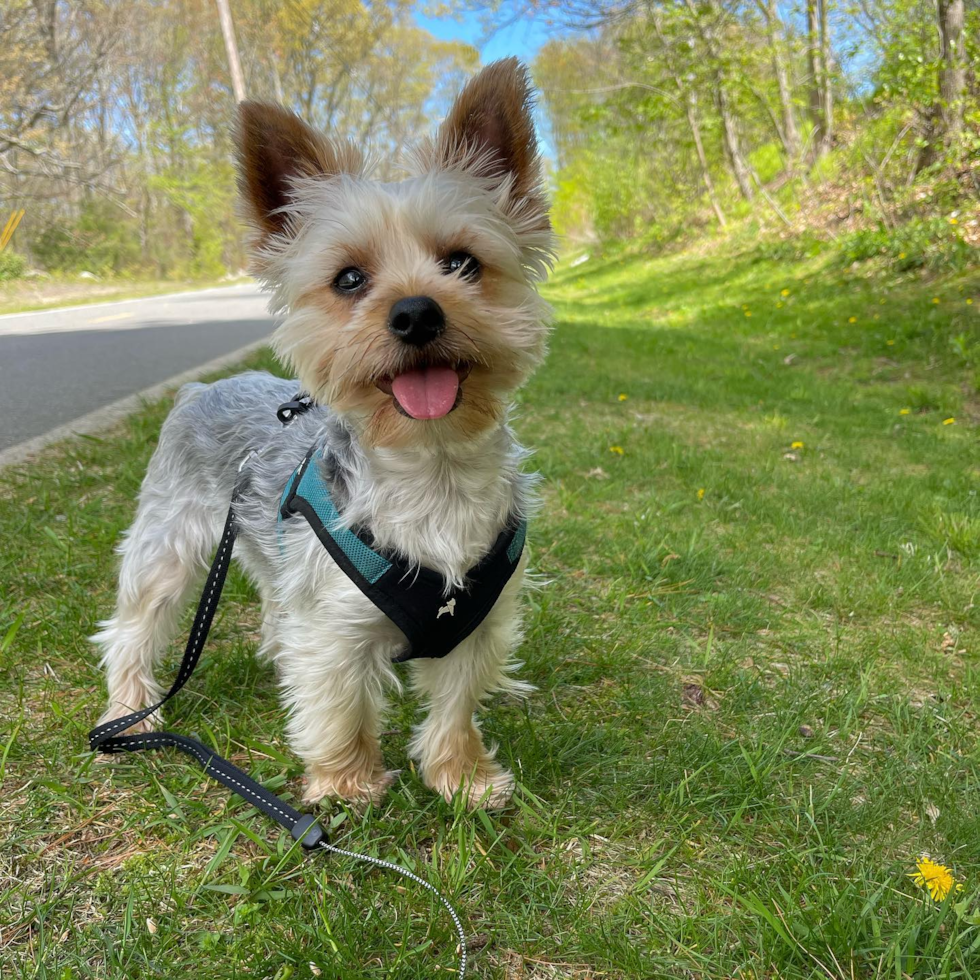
column 410, row 308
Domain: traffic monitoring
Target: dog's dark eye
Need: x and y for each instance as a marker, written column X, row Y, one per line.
column 468, row 266
column 350, row 280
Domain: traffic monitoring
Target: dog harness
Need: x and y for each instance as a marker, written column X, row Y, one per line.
column 414, row 598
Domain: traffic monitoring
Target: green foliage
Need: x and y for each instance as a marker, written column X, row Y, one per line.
column 102, row 240
column 12, row 265
column 768, row 161
column 143, row 115
column 923, row 243
column 203, row 195
column 795, row 248
column 643, row 90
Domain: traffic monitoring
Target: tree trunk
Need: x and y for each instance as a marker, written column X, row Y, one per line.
column 687, row 93
column 277, row 80
column 733, row 146
column 828, row 89
column 231, row 49
column 691, row 107
column 952, row 71
column 789, row 133
column 815, row 101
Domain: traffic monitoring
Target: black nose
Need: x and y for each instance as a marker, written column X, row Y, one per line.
column 416, row 320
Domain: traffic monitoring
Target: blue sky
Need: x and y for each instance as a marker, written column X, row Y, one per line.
column 521, row 39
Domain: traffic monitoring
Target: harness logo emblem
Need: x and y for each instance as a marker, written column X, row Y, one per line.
column 449, row 607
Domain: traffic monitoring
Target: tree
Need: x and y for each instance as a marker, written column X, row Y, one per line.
column 951, row 16
column 820, row 90
column 775, row 32
column 131, row 104
column 708, row 21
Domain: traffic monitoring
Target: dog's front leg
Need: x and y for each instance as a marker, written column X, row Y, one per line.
column 335, row 696
column 448, row 744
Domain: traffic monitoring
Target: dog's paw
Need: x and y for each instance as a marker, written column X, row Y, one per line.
column 486, row 784
column 354, row 788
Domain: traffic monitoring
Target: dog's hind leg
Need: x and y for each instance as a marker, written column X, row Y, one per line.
column 164, row 556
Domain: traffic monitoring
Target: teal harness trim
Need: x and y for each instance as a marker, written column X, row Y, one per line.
column 314, row 490
column 516, row 545
column 434, row 619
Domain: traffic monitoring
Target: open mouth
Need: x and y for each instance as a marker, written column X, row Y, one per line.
column 430, row 391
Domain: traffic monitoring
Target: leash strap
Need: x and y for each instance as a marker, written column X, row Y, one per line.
column 303, row 827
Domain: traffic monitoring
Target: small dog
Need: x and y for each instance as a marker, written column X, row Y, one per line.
column 410, row 315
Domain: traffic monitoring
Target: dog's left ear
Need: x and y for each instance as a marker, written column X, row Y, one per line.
column 490, row 131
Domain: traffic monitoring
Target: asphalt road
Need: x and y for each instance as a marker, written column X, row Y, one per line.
column 57, row 365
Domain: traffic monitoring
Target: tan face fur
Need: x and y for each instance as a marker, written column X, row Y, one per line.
column 475, row 189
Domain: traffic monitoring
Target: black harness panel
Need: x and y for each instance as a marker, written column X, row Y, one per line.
column 413, row 597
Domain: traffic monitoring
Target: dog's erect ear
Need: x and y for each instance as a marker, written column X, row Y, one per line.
column 490, row 126
column 273, row 147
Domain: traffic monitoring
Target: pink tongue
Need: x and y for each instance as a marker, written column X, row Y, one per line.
column 427, row 393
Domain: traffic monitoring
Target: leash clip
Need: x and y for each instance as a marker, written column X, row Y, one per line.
column 308, row 832
column 289, row 410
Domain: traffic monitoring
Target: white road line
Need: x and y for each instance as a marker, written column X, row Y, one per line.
column 109, row 415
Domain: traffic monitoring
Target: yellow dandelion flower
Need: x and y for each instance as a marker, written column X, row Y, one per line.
column 891, row 343
column 901, row 255
column 748, row 313
column 953, row 221
column 623, row 396
column 949, row 421
column 701, row 493
column 937, row 878
column 784, row 292
column 796, row 445
column 935, row 299
column 852, row 319
column 969, row 302
column 905, row 411
column 618, row 450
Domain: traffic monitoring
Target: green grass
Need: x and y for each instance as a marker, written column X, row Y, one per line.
column 757, row 705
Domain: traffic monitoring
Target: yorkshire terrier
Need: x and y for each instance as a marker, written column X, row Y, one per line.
column 410, row 317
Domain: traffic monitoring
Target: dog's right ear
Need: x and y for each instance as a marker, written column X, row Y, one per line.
column 274, row 147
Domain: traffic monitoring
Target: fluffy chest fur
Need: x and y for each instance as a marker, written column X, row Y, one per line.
column 437, row 509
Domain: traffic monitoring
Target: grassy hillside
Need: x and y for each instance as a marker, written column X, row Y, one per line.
column 755, row 654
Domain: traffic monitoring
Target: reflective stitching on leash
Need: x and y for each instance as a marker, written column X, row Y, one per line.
column 185, row 670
